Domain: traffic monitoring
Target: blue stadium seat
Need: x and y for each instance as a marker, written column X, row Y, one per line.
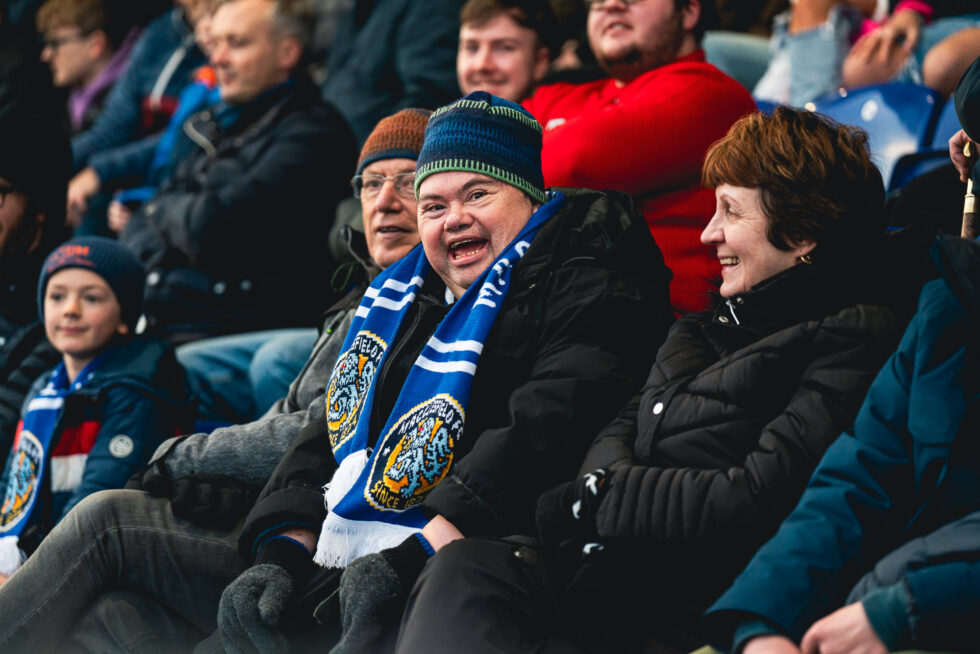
column 936, row 153
column 897, row 117
column 947, row 124
column 766, row 106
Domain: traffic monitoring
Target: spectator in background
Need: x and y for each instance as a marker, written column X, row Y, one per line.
column 140, row 103
column 87, row 48
column 142, row 165
column 819, row 46
column 238, row 378
column 218, row 262
column 35, row 163
column 94, row 419
column 504, row 46
column 645, row 129
column 391, row 54
column 145, row 96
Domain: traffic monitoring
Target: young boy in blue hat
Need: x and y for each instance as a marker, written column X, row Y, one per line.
column 94, row 420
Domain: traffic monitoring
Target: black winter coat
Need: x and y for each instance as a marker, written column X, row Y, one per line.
column 586, row 311
column 716, row 449
column 234, row 238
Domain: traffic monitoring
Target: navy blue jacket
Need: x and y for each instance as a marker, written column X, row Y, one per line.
column 236, row 237
column 145, row 95
column 910, row 465
column 138, row 393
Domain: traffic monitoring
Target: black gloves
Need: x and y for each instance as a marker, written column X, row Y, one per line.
column 206, row 500
column 253, row 605
column 212, row 500
column 372, row 595
column 569, row 511
column 155, row 480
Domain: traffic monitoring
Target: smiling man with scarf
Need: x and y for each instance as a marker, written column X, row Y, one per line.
column 474, row 375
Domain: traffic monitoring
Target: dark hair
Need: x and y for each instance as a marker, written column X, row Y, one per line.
column 535, row 15
column 815, row 176
column 708, row 19
column 87, row 15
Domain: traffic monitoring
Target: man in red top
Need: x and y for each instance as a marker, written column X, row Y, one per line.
column 646, row 128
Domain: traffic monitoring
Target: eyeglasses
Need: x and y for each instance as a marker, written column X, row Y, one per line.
column 595, row 5
column 370, row 186
column 5, row 190
column 57, row 41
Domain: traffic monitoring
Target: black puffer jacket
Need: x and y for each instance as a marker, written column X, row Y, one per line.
column 234, row 238
column 586, row 311
column 716, row 449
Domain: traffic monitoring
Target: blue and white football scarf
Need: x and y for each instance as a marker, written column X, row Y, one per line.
column 26, row 465
column 374, row 496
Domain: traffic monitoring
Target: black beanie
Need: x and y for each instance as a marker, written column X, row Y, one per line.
column 114, row 263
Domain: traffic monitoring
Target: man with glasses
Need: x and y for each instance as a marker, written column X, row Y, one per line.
column 87, row 46
column 238, row 378
column 646, row 128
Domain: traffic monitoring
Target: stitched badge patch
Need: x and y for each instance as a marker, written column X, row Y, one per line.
column 121, row 446
column 416, row 454
column 349, row 383
column 22, row 480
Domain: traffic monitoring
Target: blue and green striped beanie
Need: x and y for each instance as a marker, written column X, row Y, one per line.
column 484, row 134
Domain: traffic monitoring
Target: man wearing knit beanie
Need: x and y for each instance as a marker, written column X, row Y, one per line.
column 528, row 316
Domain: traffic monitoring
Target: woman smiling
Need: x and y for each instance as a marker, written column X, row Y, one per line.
column 702, row 465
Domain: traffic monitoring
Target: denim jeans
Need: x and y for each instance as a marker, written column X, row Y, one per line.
column 117, row 540
column 237, row 378
column 807, row 65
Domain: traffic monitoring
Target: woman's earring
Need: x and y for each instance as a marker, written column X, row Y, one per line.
column 805, row 258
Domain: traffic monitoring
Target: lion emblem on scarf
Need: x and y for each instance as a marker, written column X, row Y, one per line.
column 349, row 383
column 416, row 454
column 22, row 482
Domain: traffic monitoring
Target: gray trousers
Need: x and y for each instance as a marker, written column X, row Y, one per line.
column 118, row 572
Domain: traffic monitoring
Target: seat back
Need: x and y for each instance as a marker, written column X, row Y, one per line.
column 897, row 117
column 947, row 124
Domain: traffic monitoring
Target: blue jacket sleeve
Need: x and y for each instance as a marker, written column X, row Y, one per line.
column 133, row 425
column 119, row 120
column 866, row 488
column 130, row 161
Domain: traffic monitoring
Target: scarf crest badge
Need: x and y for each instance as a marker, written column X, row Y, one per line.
column 373, row 496
column 29, row 459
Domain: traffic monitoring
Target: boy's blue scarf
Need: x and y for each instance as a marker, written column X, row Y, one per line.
column 374, row 496
column 27, row 463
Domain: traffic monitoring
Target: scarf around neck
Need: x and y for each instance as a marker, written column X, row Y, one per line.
column 28, row 460
column 374, row 496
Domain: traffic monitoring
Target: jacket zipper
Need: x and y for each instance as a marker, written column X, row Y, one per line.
column 731, row 310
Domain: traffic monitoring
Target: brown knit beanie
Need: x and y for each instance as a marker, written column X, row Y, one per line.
column 395, row 137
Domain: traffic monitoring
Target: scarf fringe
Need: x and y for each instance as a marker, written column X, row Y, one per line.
column 342, row 540
column 11, row 558
column 344, row 477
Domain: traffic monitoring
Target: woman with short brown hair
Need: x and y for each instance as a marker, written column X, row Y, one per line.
column 707, row 459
